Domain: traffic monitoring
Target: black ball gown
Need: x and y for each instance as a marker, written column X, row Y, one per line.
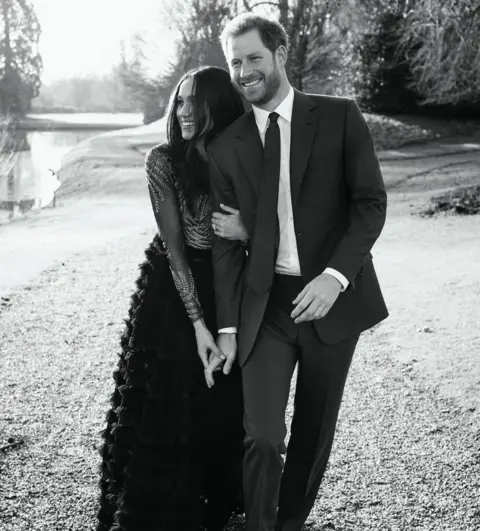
column 172, row 448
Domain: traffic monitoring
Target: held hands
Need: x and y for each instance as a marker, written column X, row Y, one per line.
column 316, row 298
column 229, row 226
column 206, row 346
column 227, row 345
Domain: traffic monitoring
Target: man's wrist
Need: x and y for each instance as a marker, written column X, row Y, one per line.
column 338, row 276
column 229, row 330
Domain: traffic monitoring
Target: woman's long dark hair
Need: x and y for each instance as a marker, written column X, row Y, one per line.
column 216, row 105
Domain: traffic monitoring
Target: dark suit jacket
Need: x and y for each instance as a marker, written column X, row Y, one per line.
column 339, row 207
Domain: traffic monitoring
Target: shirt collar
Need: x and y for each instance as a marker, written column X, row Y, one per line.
column 284, row 110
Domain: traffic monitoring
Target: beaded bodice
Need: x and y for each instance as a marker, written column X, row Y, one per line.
column 177, row 226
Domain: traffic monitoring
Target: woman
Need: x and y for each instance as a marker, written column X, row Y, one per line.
column 173, row 447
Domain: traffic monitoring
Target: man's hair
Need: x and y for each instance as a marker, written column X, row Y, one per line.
column 272, row 33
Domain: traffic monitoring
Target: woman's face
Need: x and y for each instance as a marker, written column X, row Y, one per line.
column 185, row 108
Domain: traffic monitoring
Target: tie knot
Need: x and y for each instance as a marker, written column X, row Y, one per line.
column 273, row 116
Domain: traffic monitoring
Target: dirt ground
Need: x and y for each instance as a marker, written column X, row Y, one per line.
column 407, row 452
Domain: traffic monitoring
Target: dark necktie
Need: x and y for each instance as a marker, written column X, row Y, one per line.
column 263, row 249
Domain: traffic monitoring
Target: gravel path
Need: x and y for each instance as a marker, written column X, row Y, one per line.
column 405, row 457
column 407, row 451
column 58, row 342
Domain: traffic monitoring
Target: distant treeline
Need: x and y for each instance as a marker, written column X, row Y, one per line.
column 393, row 56
column 85, row 94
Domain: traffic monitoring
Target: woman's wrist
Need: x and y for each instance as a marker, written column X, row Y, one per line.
column 199, row 324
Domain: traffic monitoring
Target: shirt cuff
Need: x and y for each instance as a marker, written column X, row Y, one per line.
column 229, row 330
column 334, row 273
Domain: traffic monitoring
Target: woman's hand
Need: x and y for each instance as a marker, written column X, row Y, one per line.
column 227, row 343
column 205, row 343
column 230, row 225
column 214, row 365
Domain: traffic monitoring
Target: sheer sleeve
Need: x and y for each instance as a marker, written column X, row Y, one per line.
column 164, row 197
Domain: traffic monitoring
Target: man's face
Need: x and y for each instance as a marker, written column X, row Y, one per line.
column 253, row 68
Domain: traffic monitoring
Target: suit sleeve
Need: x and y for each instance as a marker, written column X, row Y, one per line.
column 228, row 256
column 368, row 198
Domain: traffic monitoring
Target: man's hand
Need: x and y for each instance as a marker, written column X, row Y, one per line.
column 227, row 345
column 206, row 347
column 316, row 298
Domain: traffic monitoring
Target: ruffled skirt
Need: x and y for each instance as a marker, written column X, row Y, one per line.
column 172, row 448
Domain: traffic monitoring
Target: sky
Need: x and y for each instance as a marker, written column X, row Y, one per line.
column 83, row 36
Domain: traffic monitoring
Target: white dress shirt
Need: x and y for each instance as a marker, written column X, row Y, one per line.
column 288, row 262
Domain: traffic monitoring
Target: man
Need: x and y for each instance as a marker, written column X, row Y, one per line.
column 303, row 172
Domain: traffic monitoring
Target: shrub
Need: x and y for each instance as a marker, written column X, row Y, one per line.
column 384, row 81
column 463, row 201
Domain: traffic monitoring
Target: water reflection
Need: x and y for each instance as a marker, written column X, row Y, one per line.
column 29, row 159
column 28, row 165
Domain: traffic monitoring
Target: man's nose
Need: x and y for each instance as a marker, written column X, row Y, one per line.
column 245, row 71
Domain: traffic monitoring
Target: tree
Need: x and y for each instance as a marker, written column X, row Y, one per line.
column 20, row 61
column 384, row 71
column 441, row 39
column 142, row 89
column 197, row 26
column 313, row 46
column 313, row 49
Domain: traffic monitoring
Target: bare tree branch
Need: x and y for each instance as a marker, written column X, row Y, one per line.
column 441, row 41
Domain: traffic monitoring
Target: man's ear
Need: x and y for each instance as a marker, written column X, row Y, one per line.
column 281, row 55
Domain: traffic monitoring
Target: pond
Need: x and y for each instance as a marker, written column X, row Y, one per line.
column 27, row 174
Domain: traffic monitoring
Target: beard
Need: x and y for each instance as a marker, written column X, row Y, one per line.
column 271, row 84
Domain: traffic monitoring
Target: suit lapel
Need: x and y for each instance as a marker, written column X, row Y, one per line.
column 304, row 125
column 249, row 150
column 249, row 147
